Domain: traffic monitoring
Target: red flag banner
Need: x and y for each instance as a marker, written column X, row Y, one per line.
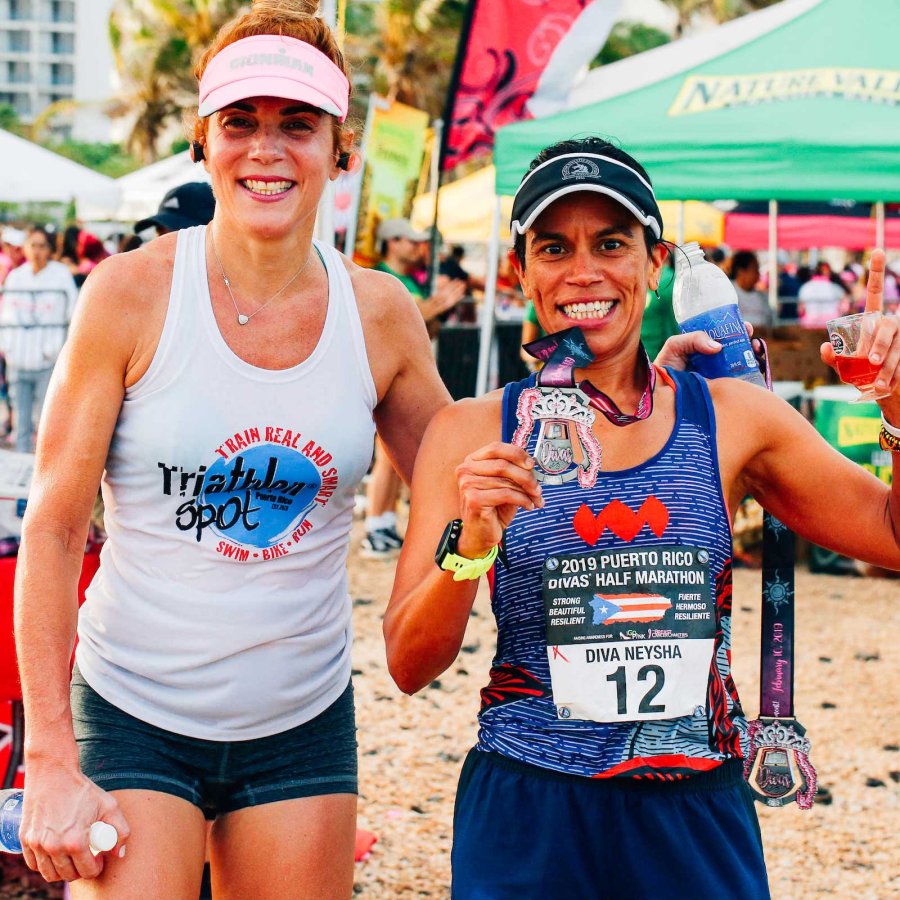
column 510, row 51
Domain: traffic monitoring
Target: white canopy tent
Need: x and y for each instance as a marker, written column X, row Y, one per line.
column 143, row 190
column 32, row 174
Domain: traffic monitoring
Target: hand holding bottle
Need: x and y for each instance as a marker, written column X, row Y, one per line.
column 67, row 823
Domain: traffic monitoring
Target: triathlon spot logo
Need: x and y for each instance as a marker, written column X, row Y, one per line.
column 257, row 494
column 837, row 342
column 580, row 168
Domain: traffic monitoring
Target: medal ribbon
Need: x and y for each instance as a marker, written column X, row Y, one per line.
column 563, row 352
column 776, row 687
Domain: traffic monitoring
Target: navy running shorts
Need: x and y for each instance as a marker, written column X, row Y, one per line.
column 525, row 833
column 119, row 752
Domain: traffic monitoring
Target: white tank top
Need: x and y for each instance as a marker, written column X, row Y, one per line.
column 220, row 610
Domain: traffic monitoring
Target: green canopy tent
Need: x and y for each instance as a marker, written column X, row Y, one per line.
column 807, row 111
column 800, row 101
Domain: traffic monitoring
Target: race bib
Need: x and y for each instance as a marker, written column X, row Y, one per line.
column 630, row 633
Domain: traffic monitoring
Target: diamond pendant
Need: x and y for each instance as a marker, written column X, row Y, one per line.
column 242, row 319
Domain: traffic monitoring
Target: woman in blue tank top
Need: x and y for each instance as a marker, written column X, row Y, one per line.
column 610, row 751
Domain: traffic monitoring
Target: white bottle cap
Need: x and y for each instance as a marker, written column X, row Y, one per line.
column 103, row 837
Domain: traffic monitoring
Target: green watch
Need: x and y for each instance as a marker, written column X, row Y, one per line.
column 463, row 568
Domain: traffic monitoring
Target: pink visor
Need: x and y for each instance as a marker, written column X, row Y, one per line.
column 272, row 65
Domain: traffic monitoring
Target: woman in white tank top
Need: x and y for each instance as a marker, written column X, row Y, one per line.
column 225, row 384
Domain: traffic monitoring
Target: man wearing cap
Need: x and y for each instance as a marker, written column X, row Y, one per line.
column 403, row 251
column 182, row 207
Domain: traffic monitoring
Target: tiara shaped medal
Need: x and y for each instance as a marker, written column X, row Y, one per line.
column 777, row 768
column 564, row 419
column 567, row 447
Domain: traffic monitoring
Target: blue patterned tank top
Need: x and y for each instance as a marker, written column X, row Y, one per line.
column 618, row 534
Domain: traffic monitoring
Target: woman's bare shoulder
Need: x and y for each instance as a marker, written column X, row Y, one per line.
column 140, row 277
column 380, row 295
column 466, row 425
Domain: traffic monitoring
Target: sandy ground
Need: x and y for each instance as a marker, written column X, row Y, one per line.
column 411, row 748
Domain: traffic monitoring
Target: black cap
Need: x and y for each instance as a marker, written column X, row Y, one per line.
column 186, row 205
column 574, row 172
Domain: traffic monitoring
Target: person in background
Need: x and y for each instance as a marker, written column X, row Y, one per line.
column 184, row 206
column 129, row 242
column 531, row 331
column 90, row 251
column 403, row 252
column 67, row 247
column 33, row 327
column 745, row 276
column 718, row 257
column 659, row 323
column 11, row 257
column 820, row 298
column 11, row 254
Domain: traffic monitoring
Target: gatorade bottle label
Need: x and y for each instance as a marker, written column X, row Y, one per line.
column 735, row 360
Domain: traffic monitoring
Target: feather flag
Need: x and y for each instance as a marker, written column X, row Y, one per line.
column 517, row 59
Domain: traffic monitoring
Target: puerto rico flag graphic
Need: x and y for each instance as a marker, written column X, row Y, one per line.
column 628, row 608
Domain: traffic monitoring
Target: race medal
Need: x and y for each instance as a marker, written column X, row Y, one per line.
column 566, row 446
column 777, row 768
column 630, row 633
column 560, row 407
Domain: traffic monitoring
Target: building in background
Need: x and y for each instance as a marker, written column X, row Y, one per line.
column 58, row 50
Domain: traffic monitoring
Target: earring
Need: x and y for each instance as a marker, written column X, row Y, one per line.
column 196, row 152
column 343, row 161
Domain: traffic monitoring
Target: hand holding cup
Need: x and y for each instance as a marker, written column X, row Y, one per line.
column 865, row 348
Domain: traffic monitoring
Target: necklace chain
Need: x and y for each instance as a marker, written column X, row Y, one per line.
column 244, row 319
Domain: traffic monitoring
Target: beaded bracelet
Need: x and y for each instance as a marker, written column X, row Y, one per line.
column 889, row 437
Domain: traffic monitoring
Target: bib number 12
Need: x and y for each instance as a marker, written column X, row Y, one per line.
column 656, row 674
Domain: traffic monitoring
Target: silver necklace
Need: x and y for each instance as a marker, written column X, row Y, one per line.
column 242, row 319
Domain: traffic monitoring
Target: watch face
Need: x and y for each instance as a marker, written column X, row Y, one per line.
column 449, row 540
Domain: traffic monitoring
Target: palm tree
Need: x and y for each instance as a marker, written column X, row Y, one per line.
column 720, row 10
column 408, row 48
column 154, row 42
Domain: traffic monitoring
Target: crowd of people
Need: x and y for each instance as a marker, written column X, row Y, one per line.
column 223, row 386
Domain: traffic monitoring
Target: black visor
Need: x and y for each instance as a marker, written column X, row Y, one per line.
column 575, row 172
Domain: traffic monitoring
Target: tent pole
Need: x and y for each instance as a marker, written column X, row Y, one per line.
column 435, row 187
column 773, row 257
column 679, row 225
column 490, row 302
column 879, row 224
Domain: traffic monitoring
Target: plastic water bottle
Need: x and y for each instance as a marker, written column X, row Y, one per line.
column 103, row 836
column 704, row 299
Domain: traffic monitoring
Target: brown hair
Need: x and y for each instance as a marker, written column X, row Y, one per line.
column 293, row 18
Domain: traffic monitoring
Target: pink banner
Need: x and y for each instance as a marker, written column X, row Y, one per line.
column 510, row 45
column 746, row 231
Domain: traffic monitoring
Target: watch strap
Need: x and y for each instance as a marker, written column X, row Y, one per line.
column 465, row 569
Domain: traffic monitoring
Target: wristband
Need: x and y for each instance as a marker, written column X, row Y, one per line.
column 464, row 569
column 890, row 429
column 889, row 437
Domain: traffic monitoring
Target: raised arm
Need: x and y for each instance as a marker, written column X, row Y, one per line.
column 463, row 472
column 82, row 406
column 767, row 449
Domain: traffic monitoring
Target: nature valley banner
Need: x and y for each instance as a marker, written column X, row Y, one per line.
column 394, row 149
column 518, row 59
column 705, row 93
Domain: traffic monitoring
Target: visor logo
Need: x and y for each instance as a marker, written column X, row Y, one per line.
column 580, row 168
